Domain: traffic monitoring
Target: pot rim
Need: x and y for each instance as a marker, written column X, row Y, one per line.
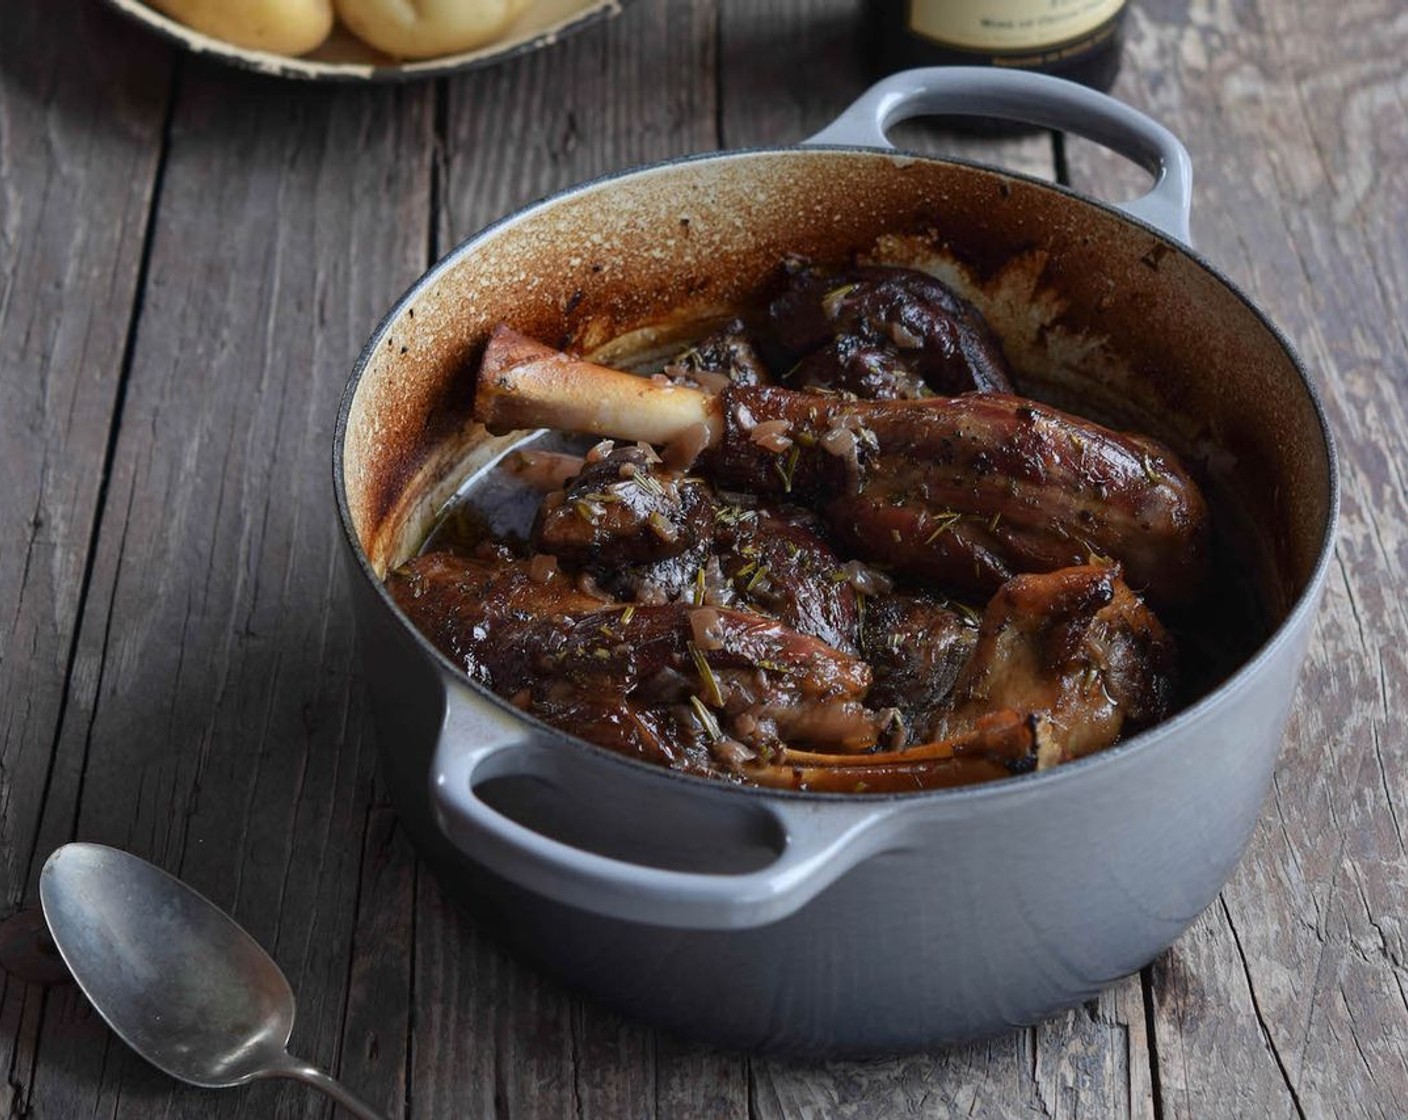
column 452, row 676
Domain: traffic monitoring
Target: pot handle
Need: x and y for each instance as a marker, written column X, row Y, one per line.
column 819, row 841
column 1039, row 99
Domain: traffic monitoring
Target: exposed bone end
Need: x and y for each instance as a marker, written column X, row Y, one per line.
column 524, row 384
column 998, row 745
column 544, row 470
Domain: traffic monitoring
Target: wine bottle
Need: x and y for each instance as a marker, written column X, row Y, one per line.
column 1076, row 39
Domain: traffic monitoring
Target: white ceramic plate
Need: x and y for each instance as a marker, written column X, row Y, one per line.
column 344, row 58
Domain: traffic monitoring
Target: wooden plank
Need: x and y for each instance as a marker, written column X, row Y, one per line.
column 82, row 104
column 694, row 1082
column 493, row 1037
column 626, row 92
column 1092, row 1061
column 376, row 1030
column 212, row 727
column 1288, row 997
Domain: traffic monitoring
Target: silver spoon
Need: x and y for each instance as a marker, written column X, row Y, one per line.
column 173, row 975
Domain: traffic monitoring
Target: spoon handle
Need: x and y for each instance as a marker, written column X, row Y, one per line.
column 297, row 1070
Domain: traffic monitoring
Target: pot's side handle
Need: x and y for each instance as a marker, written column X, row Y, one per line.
column 1038, row 99
column 820, row 841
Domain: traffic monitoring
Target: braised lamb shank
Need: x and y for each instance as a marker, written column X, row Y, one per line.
column 882, row 333
column 650, row 534
column 966, row 491
column 696, row 688
column 829, row 549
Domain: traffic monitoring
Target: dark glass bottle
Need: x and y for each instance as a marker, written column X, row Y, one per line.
column 1076, row 39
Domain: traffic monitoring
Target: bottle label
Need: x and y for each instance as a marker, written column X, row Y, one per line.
column 1008, row 25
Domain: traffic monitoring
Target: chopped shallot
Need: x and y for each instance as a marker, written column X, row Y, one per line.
column 661, row 526
column 771, row 435
column 683, row 450
column 867, row 580
column 544, row 470
column 840, row 442
column 904, row 338
column 707, row 380
column 705, row 624
column 731, row 752
column 601, row 450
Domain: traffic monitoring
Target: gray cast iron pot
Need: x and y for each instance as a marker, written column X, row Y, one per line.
column 829, row 923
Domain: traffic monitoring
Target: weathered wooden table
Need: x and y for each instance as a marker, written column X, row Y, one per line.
column 190, row 258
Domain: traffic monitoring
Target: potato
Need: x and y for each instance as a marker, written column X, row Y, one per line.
column 281, row 26
column 426, row 28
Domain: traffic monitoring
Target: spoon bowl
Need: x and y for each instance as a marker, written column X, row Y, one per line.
column 173, row 975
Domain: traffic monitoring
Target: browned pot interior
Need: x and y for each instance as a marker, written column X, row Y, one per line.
column 1097, row 314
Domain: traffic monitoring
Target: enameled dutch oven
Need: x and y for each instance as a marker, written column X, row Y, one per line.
column 846, row 924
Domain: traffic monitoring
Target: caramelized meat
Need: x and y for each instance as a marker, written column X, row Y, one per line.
column 916, row 646
column 924, row 327
column 851, row 365
column 763, row 599
column 727, row 353
column 479, row 611
column 777, row 564
column 969, row 491
column 641, row 530
column 1065, row 663
column 1075, row 648
column 624, row 506
column 652, row 535
column 693, row 688
column 965, row 491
